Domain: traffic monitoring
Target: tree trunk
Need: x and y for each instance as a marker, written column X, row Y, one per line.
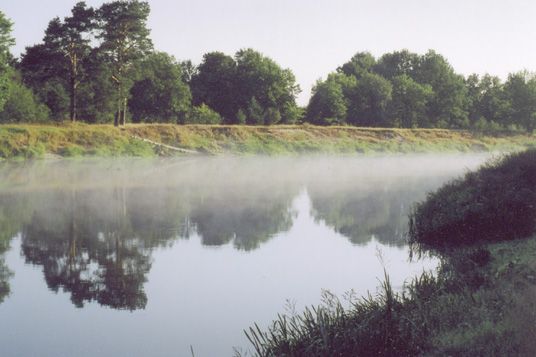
column 117, row 117
column 72, row 89
column 123, row 111
column 73, row 100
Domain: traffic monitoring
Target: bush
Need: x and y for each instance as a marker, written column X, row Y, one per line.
column 203, row 115
column 497, row 202
column 22, row 106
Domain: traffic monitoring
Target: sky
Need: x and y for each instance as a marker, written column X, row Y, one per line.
column 314, row 37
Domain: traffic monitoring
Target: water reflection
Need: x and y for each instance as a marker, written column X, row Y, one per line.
column 380, row 211
column 92, row 226
column 13, row 212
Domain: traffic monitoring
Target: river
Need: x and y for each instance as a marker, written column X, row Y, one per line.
column 159, row 257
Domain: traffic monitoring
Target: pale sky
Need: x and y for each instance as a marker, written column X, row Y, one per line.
column 314, row 37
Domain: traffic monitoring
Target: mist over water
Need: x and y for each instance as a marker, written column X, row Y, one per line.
column 152, row 256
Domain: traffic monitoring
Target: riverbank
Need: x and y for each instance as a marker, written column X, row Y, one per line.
column 37, row 141
column 481, row 301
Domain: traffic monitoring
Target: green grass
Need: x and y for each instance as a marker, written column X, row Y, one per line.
column 34, row 141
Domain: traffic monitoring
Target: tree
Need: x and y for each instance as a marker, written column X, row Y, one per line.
column 272, row 116
column 520, row 90
column 262, row 78
column 21, row 105
column 188, row 71
column 368, row 101
column 97, row 102
column 449, row 104
column 255, row 113
column 407, row 107
column 241, row 117
column 472, row 84
column 71, row 38
column 329, row 104
column 214, row 84
column 359, row 64
column 43, row 70
column 125, row 39
column 6, row 41
column 228, row 85
column 397, row 63
column 159, row 95
column 488, row 104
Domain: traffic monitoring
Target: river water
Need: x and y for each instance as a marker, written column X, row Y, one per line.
column 160, row 257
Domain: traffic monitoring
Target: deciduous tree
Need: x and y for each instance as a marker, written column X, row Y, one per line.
column 6, row 41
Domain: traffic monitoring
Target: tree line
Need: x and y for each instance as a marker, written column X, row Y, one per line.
column 99, row 65
column 408, row 90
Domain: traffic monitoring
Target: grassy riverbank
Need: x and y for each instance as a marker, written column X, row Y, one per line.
column 481, row 303
column 482, row 300
column 28, row 141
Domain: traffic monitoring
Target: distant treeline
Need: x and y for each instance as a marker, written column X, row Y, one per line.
column 100, row 66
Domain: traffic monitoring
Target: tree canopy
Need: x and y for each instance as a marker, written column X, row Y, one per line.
column 249, row 87
column 98, row 65
column 6, row 41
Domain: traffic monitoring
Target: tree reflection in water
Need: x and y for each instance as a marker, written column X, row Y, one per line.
column 96, row 245
column 380, row 211
column 92, row 226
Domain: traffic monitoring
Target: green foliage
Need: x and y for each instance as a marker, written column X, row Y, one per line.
column 496, row 202
column 359, row 64
column 398, row 63
column 125, row 39
column 370, row 96
column 97, row 102
column 6, row 41
column 448, row 106
column 521, row 91
column 255, row 113
column 241, row 117
column 263, row 79
column 401, row 89
column 250, row 82
column 21, row 105
column 407, row 109
column 203, row 115
column 159, row 95
column 97, row 65
column 70, row 40
column 214, row 84
column 488, row 100
column 272, row 116
column 43, row 70
column 329, row 103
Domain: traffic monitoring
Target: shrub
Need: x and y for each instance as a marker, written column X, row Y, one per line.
column 497, row 202
column 203, row 115
column 22, row 106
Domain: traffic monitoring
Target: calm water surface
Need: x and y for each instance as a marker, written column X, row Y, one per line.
column 150, row 257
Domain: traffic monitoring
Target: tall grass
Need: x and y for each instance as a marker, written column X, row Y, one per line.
column 379, row 325
column 479, row 303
